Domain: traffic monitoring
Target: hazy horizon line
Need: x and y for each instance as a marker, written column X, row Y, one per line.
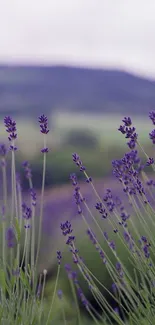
column 87, row 66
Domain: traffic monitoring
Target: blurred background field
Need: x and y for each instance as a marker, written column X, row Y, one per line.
column 85, row 65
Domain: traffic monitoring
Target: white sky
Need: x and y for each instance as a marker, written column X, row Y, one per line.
column 116, row 33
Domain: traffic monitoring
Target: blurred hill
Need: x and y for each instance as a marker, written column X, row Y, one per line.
column 32, row 90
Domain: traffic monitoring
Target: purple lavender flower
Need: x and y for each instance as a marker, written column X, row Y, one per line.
column 112, row 245
column 127, row 121
column 27, row 212
column 27, row 226
column 77, row 195
column 60, row 294
column 150, row 182
column 108, row 198
column 129, row 132
column 70, row 240
column 27, row 169
column 33, row 196
column 126, row 236
column 73, row 178
column 71, row 274
column 150, row 162
column 68, row 268
column 3, row 150
column 114, row 287
column 116, row 310
column 99, row 207
column 77, row 160
column 119, row 269
column 152, row 136
column 10, row 237
column 144, row 239
column 131, row 144
column 59, row 257
column 82, row 297
column 92, row 236
column 10, row 127
column 89, row 179
column 66, row 228
column 152, row 116
column 102, row 255
column 145, row 246
column 45, row 150
column 105, row 235
column 43, row 121
column 127, row 172
column 3, row 153
column 146, row 251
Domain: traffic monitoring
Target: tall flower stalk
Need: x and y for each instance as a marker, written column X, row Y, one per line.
column 44, row 130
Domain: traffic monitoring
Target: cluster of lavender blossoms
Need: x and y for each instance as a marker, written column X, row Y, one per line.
column 132, row 287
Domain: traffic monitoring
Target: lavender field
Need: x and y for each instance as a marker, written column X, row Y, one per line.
column 109, row 219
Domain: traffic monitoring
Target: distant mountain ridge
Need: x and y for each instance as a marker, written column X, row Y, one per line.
column 31, row 90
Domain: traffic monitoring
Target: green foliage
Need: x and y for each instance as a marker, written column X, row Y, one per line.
column 60, row 166
column 83, row 138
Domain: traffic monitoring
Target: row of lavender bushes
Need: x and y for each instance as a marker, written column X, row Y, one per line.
column 120, row 230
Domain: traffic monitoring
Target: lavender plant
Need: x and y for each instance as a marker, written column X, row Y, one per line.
column 132, row 289
column 21, row 285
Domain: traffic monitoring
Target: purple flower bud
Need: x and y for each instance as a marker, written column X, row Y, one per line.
column 10, row 237
column 150, row 162
column 27, row 212
column 27, row 169
column 59, row 293
column 3, row 150
column 152, row 136
column 33, row 196
column 127, row 121
column 114, row 287
column 59, row 257
column 66, row 228
column 152, row 116
column 70, row 240
column 112, row 245
column 44, row 150
column 82, row 297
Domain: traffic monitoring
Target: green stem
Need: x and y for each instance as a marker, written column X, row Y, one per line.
column 42, row 203
column 54, row 293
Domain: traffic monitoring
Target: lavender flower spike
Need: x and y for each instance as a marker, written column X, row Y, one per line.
column 43, row 121
column 3, row 150
column 10, row 128
column 152, row 116
column 10, row 237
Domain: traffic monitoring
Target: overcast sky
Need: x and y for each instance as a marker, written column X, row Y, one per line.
column 116, row 33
